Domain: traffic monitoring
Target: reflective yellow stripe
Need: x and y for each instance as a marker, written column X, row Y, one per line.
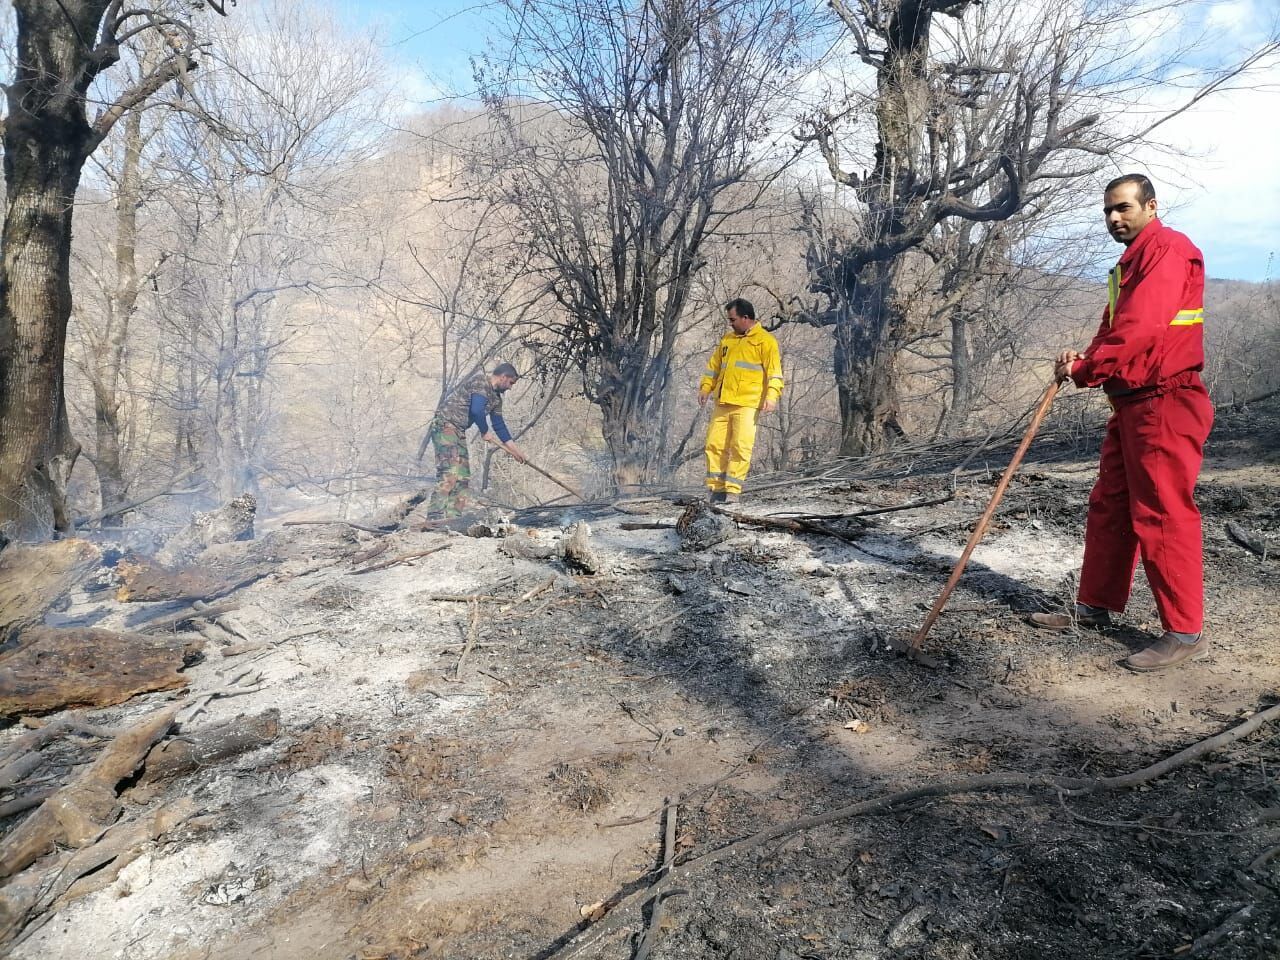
column 1113, row 293
column 1187, row 318
column 747, row 365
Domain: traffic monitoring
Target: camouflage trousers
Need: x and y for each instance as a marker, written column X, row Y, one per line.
column 453, row 472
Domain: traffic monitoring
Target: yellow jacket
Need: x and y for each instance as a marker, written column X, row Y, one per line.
column 745, row 369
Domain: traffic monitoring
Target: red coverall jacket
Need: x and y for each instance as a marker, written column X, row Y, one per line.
column 1152, row 328
column 1147, row 356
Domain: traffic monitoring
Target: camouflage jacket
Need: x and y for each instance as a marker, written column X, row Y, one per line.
column 456, row 408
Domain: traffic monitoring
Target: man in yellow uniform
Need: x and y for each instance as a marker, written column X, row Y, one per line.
column 744, row 374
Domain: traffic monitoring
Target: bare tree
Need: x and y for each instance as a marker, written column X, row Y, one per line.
column 1009, row 107
column 263, row 195
column 61, row 48
column 117, row 259
column 629, row 131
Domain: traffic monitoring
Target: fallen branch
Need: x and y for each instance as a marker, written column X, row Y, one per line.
column 377, row 550
column 1253, row 542
column 115, row 511
column 79, row 813
column 35, row 740
column 791, row 526
column 198, row 610
column 76, row 873
column 1265, row 857
column 232, row 689
column 26, row 801
column 668, row 857
column 1219, row 933
column 529, row 595
column 189, row 751
column 380, row 531
column 893, row 802
column 646, row 525
column 913, row 505
column 400, row 559
column 472, row 629
column 59, row 667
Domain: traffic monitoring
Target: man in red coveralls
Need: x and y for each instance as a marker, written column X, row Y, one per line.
column 1147, row 357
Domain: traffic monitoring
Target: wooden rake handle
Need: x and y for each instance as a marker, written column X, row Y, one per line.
column 554, row 479
column 1046, row 401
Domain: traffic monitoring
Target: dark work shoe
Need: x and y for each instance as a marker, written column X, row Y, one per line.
column 716, row 496
column 1168, row 651
column 1065, row 621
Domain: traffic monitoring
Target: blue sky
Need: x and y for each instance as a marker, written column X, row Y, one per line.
column 1225, row 193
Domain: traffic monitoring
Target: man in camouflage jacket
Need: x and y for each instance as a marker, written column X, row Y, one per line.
column 477, row 400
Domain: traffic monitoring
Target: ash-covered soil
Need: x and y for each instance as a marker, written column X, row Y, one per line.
column 478, row 748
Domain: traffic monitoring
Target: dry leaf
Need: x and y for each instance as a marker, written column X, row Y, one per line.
column 593, row 911
column 858, row 726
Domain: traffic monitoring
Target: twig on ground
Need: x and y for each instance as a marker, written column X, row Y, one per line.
column 1139, row 825
column 1219, row 933
column 913, row 505
column 1265, row 857
column 472, row 629
column 668, row 857
column 232, row 689
column 345, row 523
column 403, row 558
column 529, row 595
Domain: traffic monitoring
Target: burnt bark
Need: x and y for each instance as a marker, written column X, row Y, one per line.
column 47, row 138
column 61, row 47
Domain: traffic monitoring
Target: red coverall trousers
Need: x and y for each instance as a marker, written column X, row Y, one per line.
column 1143, row 502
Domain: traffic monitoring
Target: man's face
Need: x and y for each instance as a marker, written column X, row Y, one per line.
column 739, row 323
column 504, row 383
column 1125, row 214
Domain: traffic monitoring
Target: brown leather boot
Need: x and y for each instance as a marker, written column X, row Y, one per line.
column 1167, row 652
column 1065, row 621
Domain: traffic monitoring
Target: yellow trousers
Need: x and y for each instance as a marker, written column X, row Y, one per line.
column 730, row 436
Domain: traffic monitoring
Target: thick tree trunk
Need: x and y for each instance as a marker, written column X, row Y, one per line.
column 868, row 335
column 46, row 141
column 628, row 434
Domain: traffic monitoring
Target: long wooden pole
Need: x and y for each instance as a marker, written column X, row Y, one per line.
column 1046, row 401
column 554, row 479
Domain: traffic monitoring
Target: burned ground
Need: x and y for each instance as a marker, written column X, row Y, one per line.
column 476, row 749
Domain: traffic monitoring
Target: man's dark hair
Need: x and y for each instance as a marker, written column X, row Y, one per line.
column 1146, row 192
column 742, row 308
column 505, row 370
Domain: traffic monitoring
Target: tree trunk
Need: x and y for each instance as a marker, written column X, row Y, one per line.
column 868, row 331
column 46, row 141
column 122, row 301
column 628, row 433
column 962, row 390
